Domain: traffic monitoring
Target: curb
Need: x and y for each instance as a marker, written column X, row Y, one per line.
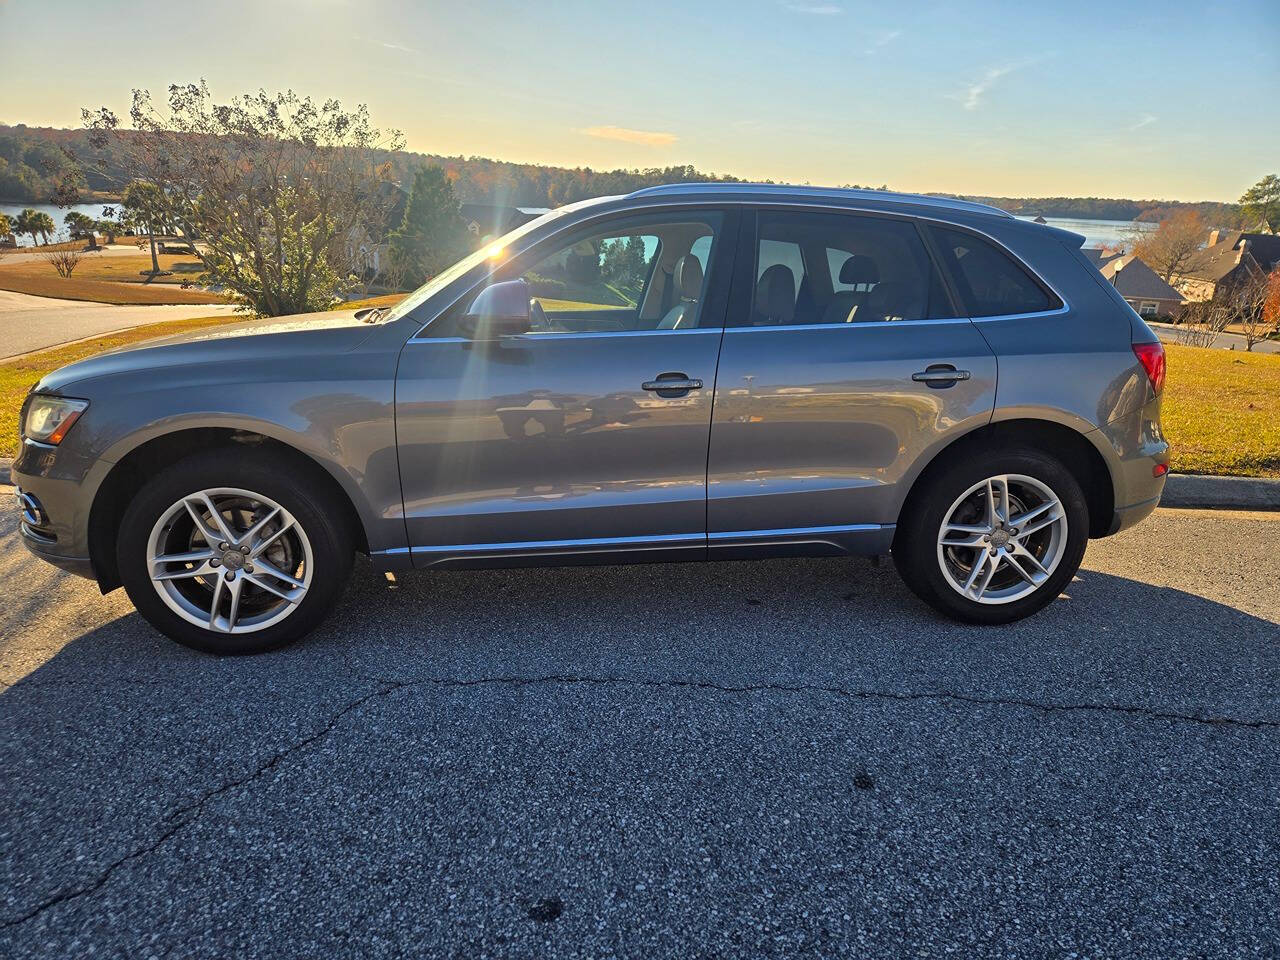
column 1187, row 490
column 1220, row 493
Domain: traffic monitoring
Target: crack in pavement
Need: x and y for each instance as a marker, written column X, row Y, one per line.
column 188, row 814
column 937, row 696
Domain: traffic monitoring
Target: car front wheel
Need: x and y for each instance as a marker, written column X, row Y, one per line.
column 993, row 538
column 230, row 552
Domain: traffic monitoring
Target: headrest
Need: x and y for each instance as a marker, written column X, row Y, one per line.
column 688, row 277
column 859, row 269
column 892, row 300
column 776, row 293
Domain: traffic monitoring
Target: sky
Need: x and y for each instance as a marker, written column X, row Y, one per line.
column 1128, row 98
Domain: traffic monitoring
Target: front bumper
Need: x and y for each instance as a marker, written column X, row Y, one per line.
column 53, row 497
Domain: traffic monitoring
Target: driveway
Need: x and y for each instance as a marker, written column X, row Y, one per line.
column 740, row 760
column 32, row 323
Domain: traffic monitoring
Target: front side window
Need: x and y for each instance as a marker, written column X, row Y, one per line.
column 819, row 268
column 643, row 273
column 991, row 282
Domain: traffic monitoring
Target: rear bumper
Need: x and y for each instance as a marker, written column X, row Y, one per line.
column 1134, row 447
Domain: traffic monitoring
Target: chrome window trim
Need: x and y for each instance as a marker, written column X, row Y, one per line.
column 780, row 327
column 795, row 204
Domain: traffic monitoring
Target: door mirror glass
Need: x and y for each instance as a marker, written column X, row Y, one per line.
column 500, row 310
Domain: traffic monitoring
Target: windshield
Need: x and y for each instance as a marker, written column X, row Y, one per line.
column 492, row 250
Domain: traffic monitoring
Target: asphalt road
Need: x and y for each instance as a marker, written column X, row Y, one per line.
column 742, row 760
column 1226, row 341
column 32, row 323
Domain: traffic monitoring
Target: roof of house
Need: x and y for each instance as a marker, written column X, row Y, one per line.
column 1265, row 248
column 1097, row 256
column 1213, row 263
column 1134, row 280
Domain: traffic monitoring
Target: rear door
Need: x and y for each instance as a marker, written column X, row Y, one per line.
column 830, row 393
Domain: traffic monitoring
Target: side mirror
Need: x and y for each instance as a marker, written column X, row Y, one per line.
column 500, row 310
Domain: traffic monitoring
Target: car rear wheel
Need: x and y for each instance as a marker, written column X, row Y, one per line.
column 233, row 552
column 992, row 538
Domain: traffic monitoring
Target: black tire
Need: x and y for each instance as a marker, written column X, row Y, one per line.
column 282, row 478
column 915, row 545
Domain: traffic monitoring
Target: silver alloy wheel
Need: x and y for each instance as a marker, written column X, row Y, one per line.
column 1002, row 538
column 229, row 560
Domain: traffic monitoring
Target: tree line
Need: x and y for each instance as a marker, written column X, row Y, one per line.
column 34, row 161
column 282, row 197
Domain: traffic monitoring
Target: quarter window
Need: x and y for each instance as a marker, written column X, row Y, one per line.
column 991, row 282
column 819, row 268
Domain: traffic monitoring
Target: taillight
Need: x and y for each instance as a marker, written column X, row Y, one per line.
column 1151, row 356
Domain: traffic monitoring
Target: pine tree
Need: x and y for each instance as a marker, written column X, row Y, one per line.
column 432, row 235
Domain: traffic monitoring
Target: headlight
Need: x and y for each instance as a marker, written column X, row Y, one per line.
column 49, row 418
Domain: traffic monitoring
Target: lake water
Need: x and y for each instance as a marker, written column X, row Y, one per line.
column 11, row 210
column 1097, row 233
column 1100, row 233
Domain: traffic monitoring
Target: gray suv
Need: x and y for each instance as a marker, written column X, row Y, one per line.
column 690, row 372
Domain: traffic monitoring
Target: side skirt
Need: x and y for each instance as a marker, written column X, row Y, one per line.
column 867, row 539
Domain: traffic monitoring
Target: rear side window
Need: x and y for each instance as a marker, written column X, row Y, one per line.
column 991, row 282
column 820, row 268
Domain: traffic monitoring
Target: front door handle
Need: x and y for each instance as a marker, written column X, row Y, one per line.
column 672, row 384
column 940, row 375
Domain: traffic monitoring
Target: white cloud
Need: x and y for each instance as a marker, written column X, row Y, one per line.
column 1145, row 121
column 972, row 96
column 815, row 9
column 401, row 48
column 648, row 138
column 885, row 38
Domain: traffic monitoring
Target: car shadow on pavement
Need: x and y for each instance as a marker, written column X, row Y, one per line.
column 842, row 623
column 532, row 688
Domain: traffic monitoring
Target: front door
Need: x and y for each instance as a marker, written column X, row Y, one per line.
column 843, row 364
column 564, row 441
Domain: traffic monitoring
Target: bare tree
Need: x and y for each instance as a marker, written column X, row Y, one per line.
column 1200, row 323
column 268, row 187
column 63, row 261
column 1245, row 301
column 1170, row 248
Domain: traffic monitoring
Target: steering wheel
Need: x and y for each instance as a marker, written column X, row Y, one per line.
column 539, row 322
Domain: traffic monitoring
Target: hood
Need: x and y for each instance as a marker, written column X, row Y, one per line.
column 287, row 339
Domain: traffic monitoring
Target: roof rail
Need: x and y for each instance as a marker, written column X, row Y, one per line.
column 848, row 193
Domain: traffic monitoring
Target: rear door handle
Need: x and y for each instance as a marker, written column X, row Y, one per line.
column 939, row 375
column 672, row 384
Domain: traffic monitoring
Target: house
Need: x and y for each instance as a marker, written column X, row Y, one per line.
column 1229, row 256
column 487, row 220
column 367, row 247
column 1140, row 286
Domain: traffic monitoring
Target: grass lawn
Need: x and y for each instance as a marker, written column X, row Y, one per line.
column 1221, row 407
column 1222, row 411
column 385, row 300
column 115, row 279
